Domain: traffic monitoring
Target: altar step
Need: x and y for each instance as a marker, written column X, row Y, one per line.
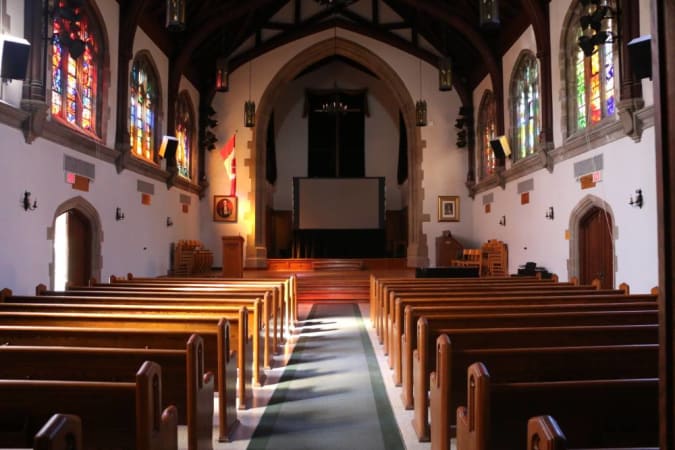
column 334, row 285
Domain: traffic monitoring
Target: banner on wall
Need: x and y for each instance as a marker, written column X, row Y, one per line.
column 230, row 163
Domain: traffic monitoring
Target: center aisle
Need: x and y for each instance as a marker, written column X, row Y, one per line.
column 331, row 394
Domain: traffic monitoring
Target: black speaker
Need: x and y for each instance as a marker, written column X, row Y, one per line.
column 168, row 148
column 500, row 147
column 640, row 51
column 14, row 58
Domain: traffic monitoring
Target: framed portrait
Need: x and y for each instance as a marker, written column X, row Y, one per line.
column 224, row 208
column 448, row 208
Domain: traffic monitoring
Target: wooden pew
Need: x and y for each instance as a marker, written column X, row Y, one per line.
column 153, row 306
column 218, row 358
column 113, row 414
column 412, row 335
column 595, row 413
column 477, row 289
column 285, row 287
column 261, row 319
column 185, row 384
column 497, row 285
column 437, row 301
column 587, row 356
column 379, row 286
column 271, row 321
column 422, row 363
column 61, row 432
column 544, row 433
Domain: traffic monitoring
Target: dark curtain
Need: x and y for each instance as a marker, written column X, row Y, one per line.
column 402, row 172
column 336, row 139
column 271, row 153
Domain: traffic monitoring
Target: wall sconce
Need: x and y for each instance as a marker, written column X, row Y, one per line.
column 637, row 202
column 119, row 215
column 444, row 74
column 27, row 205
column 222, row 75
column 596, row 25
column 489, row 14
column 169, row 222
column 175, row 15
column 549, row 213
column 502, row 221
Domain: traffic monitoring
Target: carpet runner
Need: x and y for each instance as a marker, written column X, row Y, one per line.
column 331, row 394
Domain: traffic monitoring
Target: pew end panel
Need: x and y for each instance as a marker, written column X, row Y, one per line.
column 543, row 433
column 439, row 386
column 473, row 418
column 61, row 432
column 200, row 387
column 227, row 383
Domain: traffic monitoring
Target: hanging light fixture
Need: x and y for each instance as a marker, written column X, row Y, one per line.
column 334, row 104
column 249, row 105
column 444, row 74
column 596, row 25
column 222, row 75
column 421, row 106
column 175, row 15
column 489, row 14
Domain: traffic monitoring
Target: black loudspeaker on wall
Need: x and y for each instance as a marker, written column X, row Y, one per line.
column 640, row 51
column 168, row 148
column 500, row 147
column 14, row 62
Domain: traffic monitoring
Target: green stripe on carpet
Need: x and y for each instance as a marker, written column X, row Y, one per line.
column 331, row 394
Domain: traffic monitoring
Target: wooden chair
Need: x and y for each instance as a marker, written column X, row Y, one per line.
column 496, row 258
column 471, row 257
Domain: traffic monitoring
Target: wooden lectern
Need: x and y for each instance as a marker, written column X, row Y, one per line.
column 233, row 257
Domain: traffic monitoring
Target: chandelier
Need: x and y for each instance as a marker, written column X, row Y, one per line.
column 334, row 105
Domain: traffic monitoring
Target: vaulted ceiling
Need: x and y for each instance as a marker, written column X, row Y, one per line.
column 240, row 30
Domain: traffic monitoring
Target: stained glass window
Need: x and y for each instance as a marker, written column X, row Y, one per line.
column 591, row 87
column 143, row 103
column 184, row 134
column 525, row 105
column 487, row 130
column 75, row 65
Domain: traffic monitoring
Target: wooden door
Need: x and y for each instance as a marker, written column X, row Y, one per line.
column 596, row 248
column 79, row 248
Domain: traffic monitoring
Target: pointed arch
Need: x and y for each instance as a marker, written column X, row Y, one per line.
column 577, row 215
column 90, row 213
column 486, row 130
column 145, row 109
column 185, row 132
column 256, row 251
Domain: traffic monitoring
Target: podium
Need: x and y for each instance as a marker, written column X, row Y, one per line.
column 233, row 257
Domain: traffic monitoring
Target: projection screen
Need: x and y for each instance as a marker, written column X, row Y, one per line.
column 338, row 203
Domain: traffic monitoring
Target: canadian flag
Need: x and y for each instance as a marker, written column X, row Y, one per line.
column 230, row 163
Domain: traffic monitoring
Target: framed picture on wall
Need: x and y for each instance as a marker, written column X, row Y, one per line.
column 448, row 208
column 224, row 208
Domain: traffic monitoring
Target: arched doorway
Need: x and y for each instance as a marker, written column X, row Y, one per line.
column 72, row 249
column 77, row 240
column 596, row 248
column 256, row 247
column 592, row 235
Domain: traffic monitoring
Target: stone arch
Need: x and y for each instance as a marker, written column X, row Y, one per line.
column 578, row 213
column 256, row 251
column 89, row 212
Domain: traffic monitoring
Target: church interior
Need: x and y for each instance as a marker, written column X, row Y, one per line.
column 323, row 165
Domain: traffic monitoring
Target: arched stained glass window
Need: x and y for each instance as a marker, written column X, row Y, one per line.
column 590, row 79
column 143, row 108
column 525, row 109
column 184, row 134
column 75, row 67
column 487, row 130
